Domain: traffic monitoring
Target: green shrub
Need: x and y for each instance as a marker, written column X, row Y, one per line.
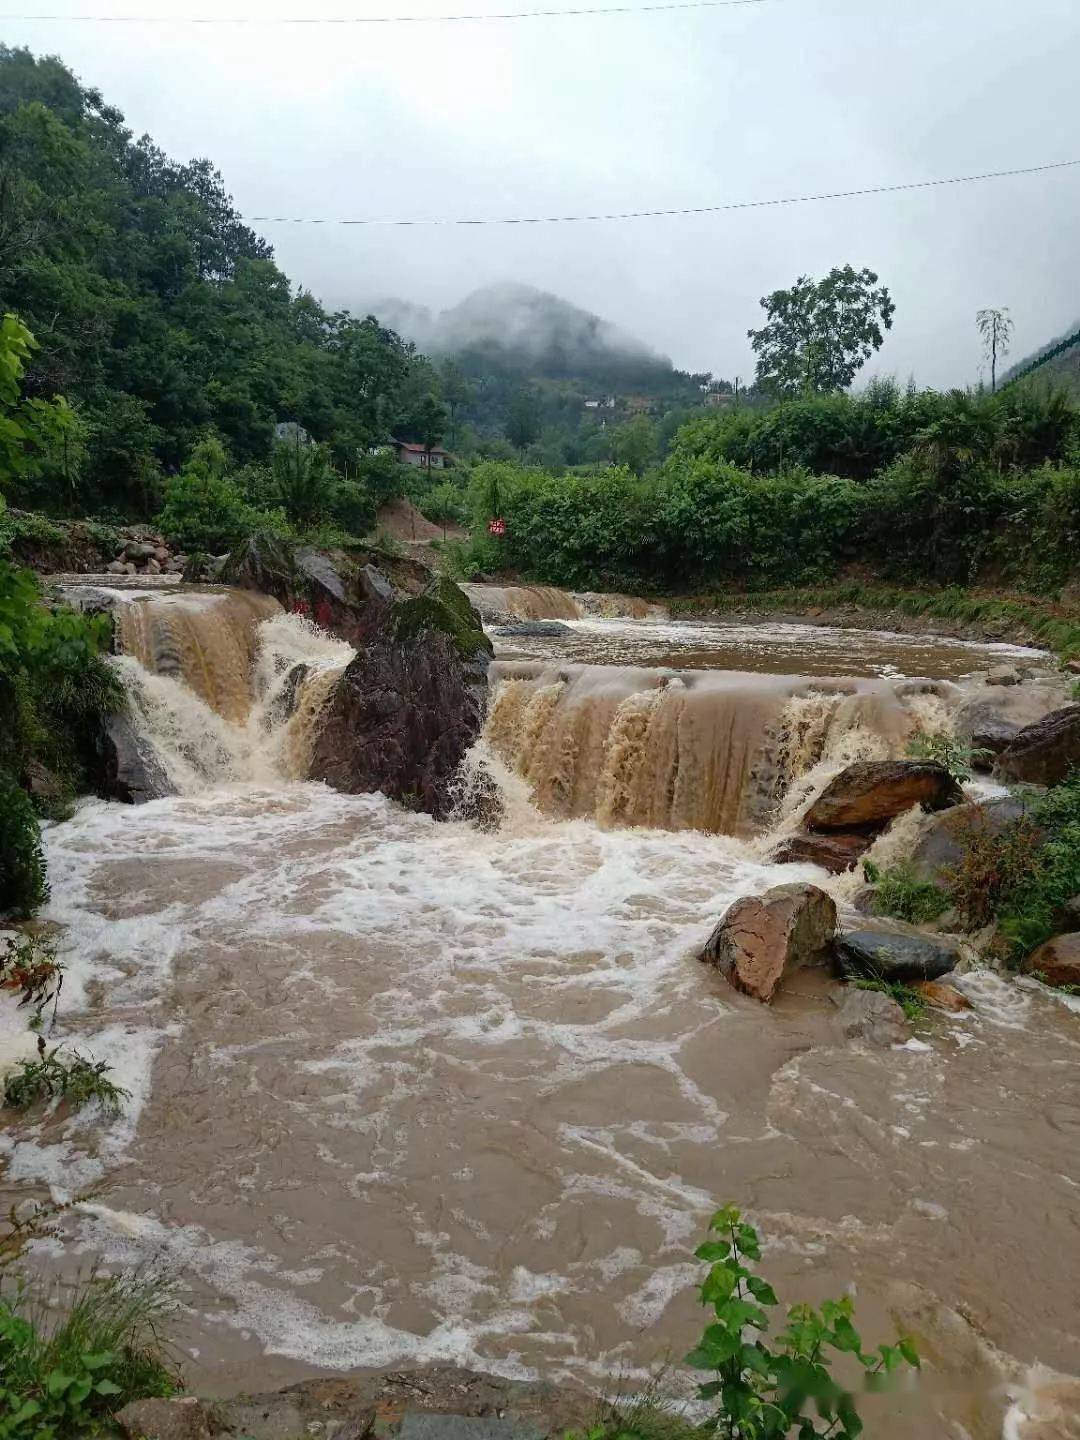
column 956, row 756
column 22, row 865
column 76, row 1080
column 909, row 1000
column 202, row 512
column 64, row 1378
column 900, row 894
column 769, row 1387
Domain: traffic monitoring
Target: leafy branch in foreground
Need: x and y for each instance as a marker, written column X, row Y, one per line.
column 769, row 1391
column 78, row 1081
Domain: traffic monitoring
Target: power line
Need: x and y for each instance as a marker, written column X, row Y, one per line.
column 681, row 210
column 380, row 19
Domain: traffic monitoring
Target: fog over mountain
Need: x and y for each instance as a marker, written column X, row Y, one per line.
column 537, row 329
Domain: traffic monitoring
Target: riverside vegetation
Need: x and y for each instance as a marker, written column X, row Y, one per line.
column 145, row 289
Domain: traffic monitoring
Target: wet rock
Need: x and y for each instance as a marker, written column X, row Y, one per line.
column 836, row 851
column 873, row 792
column 41, row 782
column 184, row 1418
column 116, row 567
column 1057, row 962
column 129, row 769
column 138, row 550
column 942, row 844
column 399, row 1403
column 375, row 584
column 1045, row 752
column 873, row 1018
column 152, row 567
column 761, row 939
column 404, row 713
column 941, row 996
column 1004, row 675
column 985, row 725
column 893, row 954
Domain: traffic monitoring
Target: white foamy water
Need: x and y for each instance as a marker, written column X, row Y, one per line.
column 407, row 1092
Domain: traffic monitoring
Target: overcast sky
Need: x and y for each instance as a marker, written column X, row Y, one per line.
column 644, row 111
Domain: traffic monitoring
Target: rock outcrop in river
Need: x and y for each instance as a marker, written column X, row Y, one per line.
column 410, row 705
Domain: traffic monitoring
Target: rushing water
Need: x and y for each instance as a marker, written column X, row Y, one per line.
column 406, row 1091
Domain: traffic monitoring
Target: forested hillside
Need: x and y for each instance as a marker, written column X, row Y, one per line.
column 158, row 313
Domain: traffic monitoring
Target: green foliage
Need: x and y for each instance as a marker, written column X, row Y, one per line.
column 1022, row 875
column 22, row 865
column 445, row 504
column 204, row 509
column 769, row 1387
column 61, row 1379
column 634, row 444
column 52, row 1076
column 31, row 967
column 443, row 607
column 956, row 755
column 909, row 1000
column 820, row 332
column 901, row 894
column 159, row 313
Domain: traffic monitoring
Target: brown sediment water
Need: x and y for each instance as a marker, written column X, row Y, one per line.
column 406, row 1091
column 205, row 639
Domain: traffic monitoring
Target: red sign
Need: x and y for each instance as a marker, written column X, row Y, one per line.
column 496, row 527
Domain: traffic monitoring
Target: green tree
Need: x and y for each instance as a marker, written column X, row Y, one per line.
column 995, row 327
column 634, row 444
column 457, row 391
column 523, row 418
column 821, row 332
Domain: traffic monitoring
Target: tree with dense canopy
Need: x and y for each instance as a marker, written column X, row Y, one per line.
column 821, row 332
column 161, row 315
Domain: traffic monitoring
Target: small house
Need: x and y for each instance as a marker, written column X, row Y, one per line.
column 409, row 453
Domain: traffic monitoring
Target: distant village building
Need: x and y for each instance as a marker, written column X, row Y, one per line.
column 410, row 454
column 603, row 402
column 718, row 399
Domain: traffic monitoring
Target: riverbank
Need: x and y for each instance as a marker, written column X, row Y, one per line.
column 969, row 614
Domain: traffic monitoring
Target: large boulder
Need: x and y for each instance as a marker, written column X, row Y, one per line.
column 128, row 769
column 345, row 599
column 408, row 707
column 834, row 851
column 871, row 1017
column 1057, row 962
column 181, row 1418
column 763, row 938
column 870, row 793
column 1045, row 752
column 944, row 841
column 893, row 954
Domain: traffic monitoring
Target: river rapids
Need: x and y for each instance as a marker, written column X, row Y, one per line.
column 406, row 1091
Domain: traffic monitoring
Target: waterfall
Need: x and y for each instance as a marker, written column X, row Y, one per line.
column 724, row 752
column 224, row 686
column 523, row 602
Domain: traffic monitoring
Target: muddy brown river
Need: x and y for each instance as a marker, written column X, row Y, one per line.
column 407, row 1092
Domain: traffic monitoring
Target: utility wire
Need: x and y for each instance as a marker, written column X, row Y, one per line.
column 380, row 19
column 682, row 210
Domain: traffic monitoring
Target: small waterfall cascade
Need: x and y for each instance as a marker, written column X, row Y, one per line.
column 723, row 752
column 523, row 602
column 224, row 686
column 497, row 603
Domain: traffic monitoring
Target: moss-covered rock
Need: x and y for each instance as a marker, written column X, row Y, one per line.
column 446, row 608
